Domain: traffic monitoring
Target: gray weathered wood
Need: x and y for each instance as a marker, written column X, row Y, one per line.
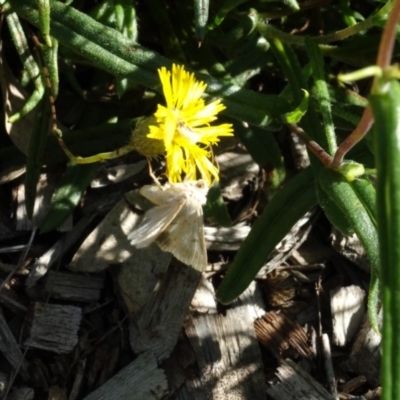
column 4, row 381
column 277, row 332
column 79, row 379
column 365, row 356
column 9, row 346
column 351, row 248
column 225, row 239
column 227, row 353
column 348, row 310
column 12, row 300
column 44, row 263
column 108, row 244
column 237, row 168
column 140, row 380
column 54, row 327
column 57, row 393
column 157, row 325
column 44, row 192
column 330, row 374
column 293, row 383
column 139, row 275
column 21, row 394
column 73, row 287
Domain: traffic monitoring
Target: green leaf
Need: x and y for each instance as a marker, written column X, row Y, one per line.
column 216, row 207
column 112, row 52
column 385, row 105
column 226, row 7
column 334, row 213
column 257, row 140
column 37, row 146
column 322, row 93
column 270, row 228
column 293, row 117
column 353, row 200
column 72, row 186
column 201, row 18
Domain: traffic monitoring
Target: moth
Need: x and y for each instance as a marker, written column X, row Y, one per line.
column 176, row 222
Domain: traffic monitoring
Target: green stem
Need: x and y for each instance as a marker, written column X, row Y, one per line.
column 269, row 31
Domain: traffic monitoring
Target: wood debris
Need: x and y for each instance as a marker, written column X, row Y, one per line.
column 292, row 382
column 278, row 333
column 348, row 310
column 73, row 287
column 54, row 327
column 142, row 380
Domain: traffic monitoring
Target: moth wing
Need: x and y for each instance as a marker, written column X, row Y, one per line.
column 184, row 236
column 155, row 221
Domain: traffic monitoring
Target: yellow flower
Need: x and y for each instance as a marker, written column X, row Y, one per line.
column 184, row 126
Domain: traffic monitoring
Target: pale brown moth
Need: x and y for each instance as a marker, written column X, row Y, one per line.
column 176, row 222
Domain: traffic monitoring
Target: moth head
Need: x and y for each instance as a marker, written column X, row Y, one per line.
column 198, row 190
column 201, row 185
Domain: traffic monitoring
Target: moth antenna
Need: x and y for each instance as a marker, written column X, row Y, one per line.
column 151, row 173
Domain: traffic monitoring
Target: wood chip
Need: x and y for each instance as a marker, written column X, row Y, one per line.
column 348, row 310
column 140, row 380
column 293, row 383
column 365, row 356
column 73, row 287
column 44, row 192
column 57, row 393
column 330, row 374
column 279, row 333
column 353, row 384
column 10, row 348
column 42, row 264
column 236, row 169
column 139, row 275
column 54, row 327
column 351, row 248
column 21, row 394
column 225, row 239
column 375, row 394
column 204, row 298
column 157, row 325
column 11, row 300
column 108, row 244
column 79, row 379
column 3, row 384
column 226, row 351
column 112, row 175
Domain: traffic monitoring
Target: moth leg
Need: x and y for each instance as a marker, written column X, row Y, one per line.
column 155, row 179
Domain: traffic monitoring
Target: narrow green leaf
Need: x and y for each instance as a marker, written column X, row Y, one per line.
column 334, row 213
column 216, row 207
column 292, row 4
column 322, row 92
column 50, row 57
column 44, row 21
column 354, row 201
column 271, row 227
column 293, row 117
column 226, row 7
column 201, row 18
column 385, row 104
column 73, row 184
column 112, row 52
column 256, row 140
column 291, row 67
column 126, row 22
column 37, row 146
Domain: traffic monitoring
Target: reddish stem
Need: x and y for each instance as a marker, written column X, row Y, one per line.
column 383, row 60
